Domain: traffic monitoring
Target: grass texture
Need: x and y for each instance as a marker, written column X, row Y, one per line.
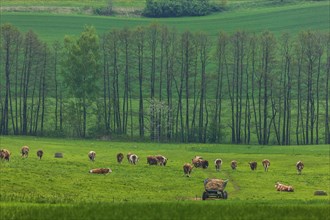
column 62, row 188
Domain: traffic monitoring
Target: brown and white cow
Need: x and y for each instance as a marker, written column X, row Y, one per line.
column 187, row 168
column 152, row 160
column 128, row 155
column 40, row 153
column 233, row 164
column 198, row 161
column 92, row 155
column 25, row 151
column 265, row 164
column 253, row 165
column 104, row 171
column 120, row 157
column 5, row 154
column 133, row 159
column 217, row 163
column 282, row 187
column 299, row 166
column 161, row 160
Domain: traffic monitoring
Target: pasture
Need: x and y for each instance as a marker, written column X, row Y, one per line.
column 62, row 188
column 291, row 18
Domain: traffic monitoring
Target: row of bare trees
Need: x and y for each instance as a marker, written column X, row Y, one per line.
column 157, row 83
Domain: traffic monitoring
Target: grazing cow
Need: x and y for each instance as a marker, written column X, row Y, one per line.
column 92, row 155
column 199, row 162
column 266, row 164
column 120, row 157
column 104, row 171
column 161, row 160
column 282, row 187
column 133, row 159
column 299, row 166
column 39, row 154
column 187, row 168
column 4, row 154
column 128, row 156
column 233, row 164
column 217, row 163
column 152, row 160
column 253, row 165
column 25, row 151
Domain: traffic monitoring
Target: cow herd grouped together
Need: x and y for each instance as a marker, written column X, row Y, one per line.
column 161, row 160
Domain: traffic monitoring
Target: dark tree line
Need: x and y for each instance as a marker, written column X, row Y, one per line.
column 158, row 84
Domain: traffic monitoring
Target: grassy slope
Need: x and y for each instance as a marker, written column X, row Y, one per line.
column 66, row 183
column 292, row 18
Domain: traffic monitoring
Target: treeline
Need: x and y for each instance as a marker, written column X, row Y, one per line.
column 163, row 85
column 179, row 8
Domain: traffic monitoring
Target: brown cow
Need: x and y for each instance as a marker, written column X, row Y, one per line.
column 120, row 157
column 92, row 155
column 104, row 171
column 199, row 162
column 152, row 160
column 187, row 168
column 265, row 164
column 299, row 166
column 233, row 164
column 161, row 160
column 39, row 154
column 4, row 154
column 217, row 163
column 25, row 151
column 253, row 165
column 282, row 187
column 133, row 159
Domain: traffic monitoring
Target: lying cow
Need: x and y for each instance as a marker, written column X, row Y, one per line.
column 4, row 154
column 253, row 165
column 218, row 163
column 152, row 160
column 92, row 155
column 265, row 164
column 187, row 168
column 233, row 164
column 104, row 171
column 120, row 157
column 40, row 153
column 25, row 151
column 282, row 187
column 299, row 166
column 161, row 160
column 133, row 159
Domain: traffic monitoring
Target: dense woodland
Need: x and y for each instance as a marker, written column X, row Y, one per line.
column 155, row 83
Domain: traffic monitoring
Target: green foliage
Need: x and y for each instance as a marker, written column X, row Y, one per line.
column 106, row 10
column 175, row 8
column 62, row 188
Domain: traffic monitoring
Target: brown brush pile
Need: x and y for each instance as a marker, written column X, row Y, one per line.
column 215, row 184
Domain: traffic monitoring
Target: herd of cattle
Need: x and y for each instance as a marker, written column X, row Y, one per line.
column 197, row 162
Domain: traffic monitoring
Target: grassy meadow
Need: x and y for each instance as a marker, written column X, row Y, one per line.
column 62, row 188
column 290, row 18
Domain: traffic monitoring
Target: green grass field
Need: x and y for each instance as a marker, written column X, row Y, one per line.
column 55, row 188
column 290, row 18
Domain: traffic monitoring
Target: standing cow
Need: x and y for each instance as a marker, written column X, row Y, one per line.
column 4, row 154
column 120, row 157
column 253, row 165
column 128, row 156
column 25, row 151
column 133, row 159
column 161, row 160
column 92, row 155
column 217, row 163
column 40, row 153
column 265, row 164
column 299, row 166
column 233, row 164
column 199, row 162
column 187, row 168
column 152, row 160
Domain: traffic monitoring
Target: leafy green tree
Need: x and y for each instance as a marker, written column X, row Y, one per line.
column 82, row 70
